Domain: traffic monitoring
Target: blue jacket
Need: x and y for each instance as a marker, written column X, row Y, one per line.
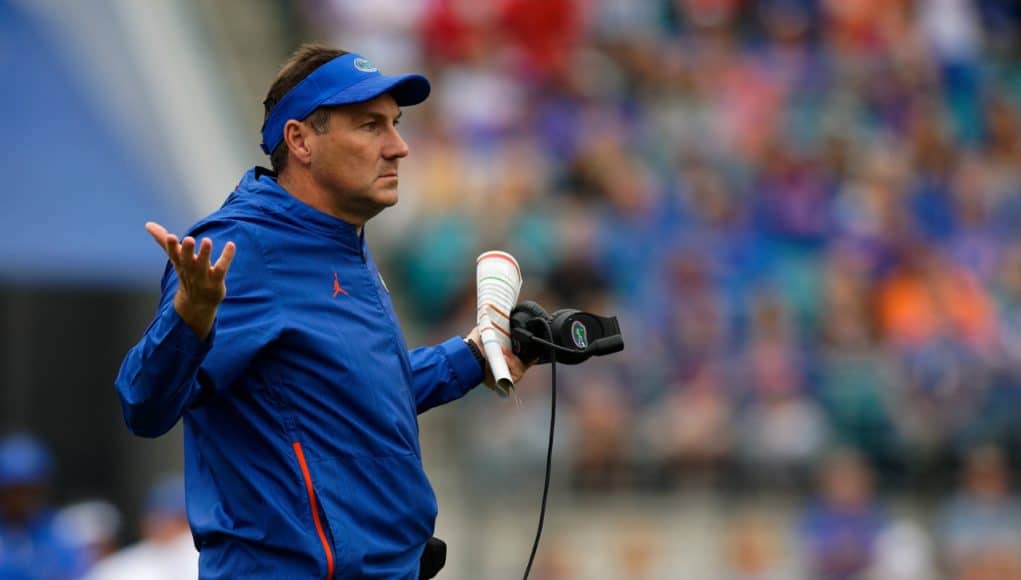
column 301, row 439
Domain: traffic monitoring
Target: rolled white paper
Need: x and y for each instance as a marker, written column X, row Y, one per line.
column 498, row 279
column 494, row 355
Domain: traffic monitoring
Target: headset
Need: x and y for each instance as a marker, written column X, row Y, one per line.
column 569, row 336
column 574, row 335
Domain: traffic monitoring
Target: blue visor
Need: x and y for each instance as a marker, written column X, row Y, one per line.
column 344, row 80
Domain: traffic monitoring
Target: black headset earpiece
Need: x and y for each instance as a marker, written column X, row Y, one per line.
column 532, row 308
column 558, row 318
column 528, row 321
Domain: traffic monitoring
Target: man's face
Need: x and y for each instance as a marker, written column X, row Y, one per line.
column 355, row 160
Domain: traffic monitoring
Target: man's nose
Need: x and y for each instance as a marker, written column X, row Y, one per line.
column 395, row 147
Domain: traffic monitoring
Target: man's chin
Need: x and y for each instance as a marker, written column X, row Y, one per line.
column 388, row 197
column 379, row 203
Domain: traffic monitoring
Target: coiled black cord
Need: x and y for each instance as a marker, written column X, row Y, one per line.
column 549, row 449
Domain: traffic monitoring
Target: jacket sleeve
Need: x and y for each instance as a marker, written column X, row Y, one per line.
column 171, row 369
column 443, row 373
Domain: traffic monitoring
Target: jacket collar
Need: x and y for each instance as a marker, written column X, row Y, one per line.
column 261, row 186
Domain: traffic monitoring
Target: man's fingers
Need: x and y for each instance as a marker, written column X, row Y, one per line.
column 184, row 258
column 223, row 263
column 165, row 239
column 173, row 249
column 512, row 359
column 517, row 369
column 514, row 364
column 188, row 251
column 158, row 233
column 205, row 251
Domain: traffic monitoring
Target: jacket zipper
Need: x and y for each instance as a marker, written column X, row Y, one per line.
column 315, row 508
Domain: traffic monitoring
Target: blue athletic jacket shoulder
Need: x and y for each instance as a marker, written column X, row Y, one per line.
column 301, row 437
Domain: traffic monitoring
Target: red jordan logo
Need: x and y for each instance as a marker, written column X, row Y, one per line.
column 336, row 287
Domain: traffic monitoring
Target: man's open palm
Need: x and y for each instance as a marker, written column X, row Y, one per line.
column 201, row 285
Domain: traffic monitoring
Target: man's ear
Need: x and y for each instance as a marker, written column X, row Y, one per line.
column 296, row 136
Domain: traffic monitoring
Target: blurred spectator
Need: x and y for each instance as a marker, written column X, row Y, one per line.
column 540, row 34
column 928, row 298
column 1008, row 294
column 555, row 561
column 383, row 28
column 903, row 552
column 91, row 526
column 753, row 550
column 855, row 377
column 638, row 551
column 782, row 431
column 980, row 528
column 166, row 551
column 31, row 544
column 602, row 421
column 691, row 428
column 840, row 528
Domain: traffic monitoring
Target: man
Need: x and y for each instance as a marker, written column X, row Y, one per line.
column 286, row 360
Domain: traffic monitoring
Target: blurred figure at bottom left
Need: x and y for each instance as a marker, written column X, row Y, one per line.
column 32, row 546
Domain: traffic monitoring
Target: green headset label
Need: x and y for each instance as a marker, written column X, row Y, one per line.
column 579, row 334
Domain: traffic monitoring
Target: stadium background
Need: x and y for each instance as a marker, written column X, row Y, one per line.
column 804, row 212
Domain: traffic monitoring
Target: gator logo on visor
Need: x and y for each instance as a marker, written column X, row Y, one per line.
column 364, row 65
column 579, row 334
